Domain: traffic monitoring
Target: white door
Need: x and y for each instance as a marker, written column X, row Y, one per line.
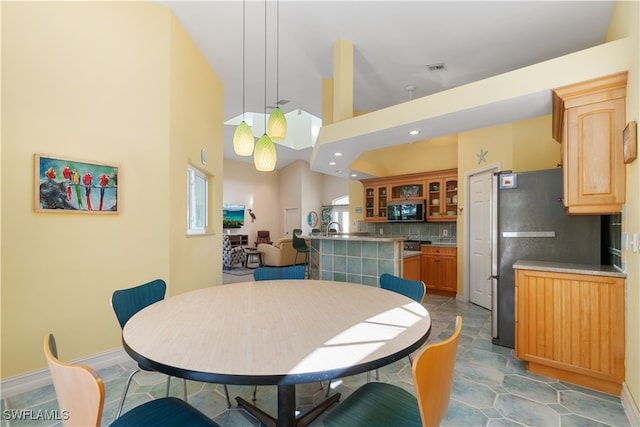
column 291, row 220
column 480, row 239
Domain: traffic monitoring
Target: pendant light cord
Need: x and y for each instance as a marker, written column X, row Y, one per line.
column 244, row 56
column 277, row 53
column 265, row 66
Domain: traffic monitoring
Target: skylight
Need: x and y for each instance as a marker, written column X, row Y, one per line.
column 302, row 127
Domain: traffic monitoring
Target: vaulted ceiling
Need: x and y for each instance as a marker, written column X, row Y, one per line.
column 395, row 43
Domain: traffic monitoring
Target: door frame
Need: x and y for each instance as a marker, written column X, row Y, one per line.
column 494, row 167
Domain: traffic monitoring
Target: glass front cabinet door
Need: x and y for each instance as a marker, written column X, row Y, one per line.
column 443, row 199
column 375, row 199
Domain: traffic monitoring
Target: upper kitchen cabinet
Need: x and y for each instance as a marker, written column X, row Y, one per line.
column 438, row 190
column 375, row 199
column 443, row 198
column 588, row 120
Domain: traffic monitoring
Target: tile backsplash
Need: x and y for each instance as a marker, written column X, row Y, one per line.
column 441, row 232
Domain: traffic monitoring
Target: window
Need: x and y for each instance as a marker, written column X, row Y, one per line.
column 197, row 201
column 340, row 212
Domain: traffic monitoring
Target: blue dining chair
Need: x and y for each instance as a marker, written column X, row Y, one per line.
column 383, row 404
column 126, row 303
column 294, row 272
column 80, row 392
column 414, row 289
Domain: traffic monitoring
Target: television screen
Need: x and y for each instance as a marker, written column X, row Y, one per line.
column 232, row 216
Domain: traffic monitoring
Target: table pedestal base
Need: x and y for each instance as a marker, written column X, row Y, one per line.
column 286, row 409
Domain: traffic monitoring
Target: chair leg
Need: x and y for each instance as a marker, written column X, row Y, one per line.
column 184, row 389
column 226, row 393
column 168, row 384
column 124, row 393
column 255, row 390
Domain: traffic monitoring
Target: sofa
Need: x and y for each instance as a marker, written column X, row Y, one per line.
column 280, row 253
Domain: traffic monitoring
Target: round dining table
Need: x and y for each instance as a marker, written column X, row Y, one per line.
column 277, row 332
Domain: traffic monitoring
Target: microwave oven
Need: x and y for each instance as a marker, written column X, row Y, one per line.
column 406, row 211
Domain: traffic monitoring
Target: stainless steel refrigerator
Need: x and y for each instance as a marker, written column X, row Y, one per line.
column 532, row 224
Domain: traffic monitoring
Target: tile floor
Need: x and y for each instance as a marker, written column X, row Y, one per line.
column 490, row 386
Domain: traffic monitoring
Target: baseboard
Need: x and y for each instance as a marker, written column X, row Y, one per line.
column 33, row 380
column 630, row 407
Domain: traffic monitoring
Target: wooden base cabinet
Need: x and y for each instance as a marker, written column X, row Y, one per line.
column 411, row 268
column 438, row 270
column 571, row 327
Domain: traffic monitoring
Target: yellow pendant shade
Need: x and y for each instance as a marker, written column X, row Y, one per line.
column 243, row 140
column 277, row 125
column 264, row 155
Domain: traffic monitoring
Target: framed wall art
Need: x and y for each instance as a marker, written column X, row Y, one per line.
column 74, row 186
column 630, row 142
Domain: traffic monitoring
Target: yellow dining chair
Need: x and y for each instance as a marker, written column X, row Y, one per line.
column 382, row 405
column 80, row 394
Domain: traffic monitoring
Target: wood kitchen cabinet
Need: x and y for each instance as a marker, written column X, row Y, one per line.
column 375, row 199
column 588, row 120
column 442, row 204
column 441, row 185
column 411, row 268
column 571, row 327
column 438, row 270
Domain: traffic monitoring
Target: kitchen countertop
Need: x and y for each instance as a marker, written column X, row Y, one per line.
column 562, row 267
column 356, row 237
column 408, row 254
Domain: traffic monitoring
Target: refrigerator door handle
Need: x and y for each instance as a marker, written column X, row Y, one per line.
column 494, row 307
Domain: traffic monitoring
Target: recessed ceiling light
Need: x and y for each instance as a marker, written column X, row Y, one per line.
column 414, row 132
column 332, row 163
column 338, row 154
column 353, row 175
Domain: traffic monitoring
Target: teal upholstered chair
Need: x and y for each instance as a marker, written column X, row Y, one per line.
column 414, row 289
column 294, row 272
column 278, row 273
column 126, row 303
column 383, row 404
column 80, row 392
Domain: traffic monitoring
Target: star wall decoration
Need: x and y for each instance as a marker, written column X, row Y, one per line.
column 482, row 156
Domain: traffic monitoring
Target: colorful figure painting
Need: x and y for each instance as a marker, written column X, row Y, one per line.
column 64, row 185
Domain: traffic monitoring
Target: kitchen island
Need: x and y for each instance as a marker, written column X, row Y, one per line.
column 570, row 322
column 354, row 257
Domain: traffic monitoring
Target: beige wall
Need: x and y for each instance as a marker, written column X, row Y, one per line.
column 95, row 81
column 259, row 191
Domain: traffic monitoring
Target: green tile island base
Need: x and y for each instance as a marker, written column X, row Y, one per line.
column 354, row 258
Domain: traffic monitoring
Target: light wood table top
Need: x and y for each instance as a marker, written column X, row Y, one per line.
column 276, row 332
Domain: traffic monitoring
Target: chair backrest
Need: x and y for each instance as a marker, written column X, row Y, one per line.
column 414, row 289
column 79, row 389
column 279, row 273
column 263, row 237
column 127, row 302
column 298, row 242
column 433, row 375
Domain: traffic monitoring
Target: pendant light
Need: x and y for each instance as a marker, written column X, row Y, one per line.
column 277, row 126
column 243, row 136
column 264, row 155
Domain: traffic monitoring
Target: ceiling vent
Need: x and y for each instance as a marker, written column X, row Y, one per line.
column 434, row 68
